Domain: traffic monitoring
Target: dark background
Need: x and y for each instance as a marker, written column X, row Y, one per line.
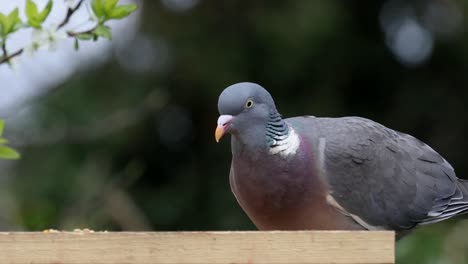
column 129, row 145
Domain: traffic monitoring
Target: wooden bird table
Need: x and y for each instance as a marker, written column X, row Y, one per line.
column 304, row 247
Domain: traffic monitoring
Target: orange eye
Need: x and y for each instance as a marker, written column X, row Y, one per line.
column 249, row 103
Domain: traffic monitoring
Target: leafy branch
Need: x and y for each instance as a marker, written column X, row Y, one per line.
column 101, row 12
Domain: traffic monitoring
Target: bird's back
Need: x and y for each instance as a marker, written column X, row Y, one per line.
column 383, row 178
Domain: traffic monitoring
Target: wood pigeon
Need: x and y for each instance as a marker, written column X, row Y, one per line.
column 347, row 173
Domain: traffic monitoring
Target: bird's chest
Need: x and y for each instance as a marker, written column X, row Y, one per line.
column 270, row 185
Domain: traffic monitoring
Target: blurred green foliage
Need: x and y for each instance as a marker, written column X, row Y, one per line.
column 129, row 147
column 6, row 152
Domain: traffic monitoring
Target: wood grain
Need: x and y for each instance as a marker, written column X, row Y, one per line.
column 305, row 247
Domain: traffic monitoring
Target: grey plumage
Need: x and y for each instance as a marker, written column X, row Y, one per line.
column 333, row 173
column 389, row 179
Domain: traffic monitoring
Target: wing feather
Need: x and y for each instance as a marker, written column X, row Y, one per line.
column 388, row 178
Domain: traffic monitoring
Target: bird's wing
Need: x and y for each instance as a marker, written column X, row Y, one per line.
column 387, row 179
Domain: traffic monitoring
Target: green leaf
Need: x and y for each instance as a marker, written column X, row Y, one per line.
column 98, row 8
column 3, row 25
column 109, row 5
column 2, row 125
column 32, row 14
column 77, row 44
column 34, row 23
column 14, row 16
column 3, row 140
column 14, row 21
column 35, row 19
column 121, row 11
column 45, row 13
column 8, row 153
column 85, row 36
column 103, row 31
column 31, row 9
column 8, row 22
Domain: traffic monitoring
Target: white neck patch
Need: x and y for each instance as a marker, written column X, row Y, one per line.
column 286, row 146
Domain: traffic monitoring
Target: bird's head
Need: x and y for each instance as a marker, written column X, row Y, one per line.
column 241, row 106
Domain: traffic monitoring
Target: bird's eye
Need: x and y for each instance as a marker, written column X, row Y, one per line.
column 249, row 103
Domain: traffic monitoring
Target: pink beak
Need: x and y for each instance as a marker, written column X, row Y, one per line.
column 223, row 123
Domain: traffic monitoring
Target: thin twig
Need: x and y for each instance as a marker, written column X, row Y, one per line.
column 5, row 53
column 11, row 56
column 70, row 13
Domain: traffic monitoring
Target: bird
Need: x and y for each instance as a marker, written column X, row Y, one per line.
column 331, row 173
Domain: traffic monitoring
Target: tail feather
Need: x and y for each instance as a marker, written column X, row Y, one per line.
column 455, row 206
column 464, row 186
column 464, row 189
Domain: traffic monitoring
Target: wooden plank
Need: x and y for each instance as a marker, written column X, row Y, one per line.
column 305, row 247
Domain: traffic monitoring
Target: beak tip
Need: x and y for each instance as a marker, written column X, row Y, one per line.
column 219, row 134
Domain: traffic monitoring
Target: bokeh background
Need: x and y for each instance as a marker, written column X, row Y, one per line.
column 119, row 135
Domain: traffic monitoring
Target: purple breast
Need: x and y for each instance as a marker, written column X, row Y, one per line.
column 269, row 187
